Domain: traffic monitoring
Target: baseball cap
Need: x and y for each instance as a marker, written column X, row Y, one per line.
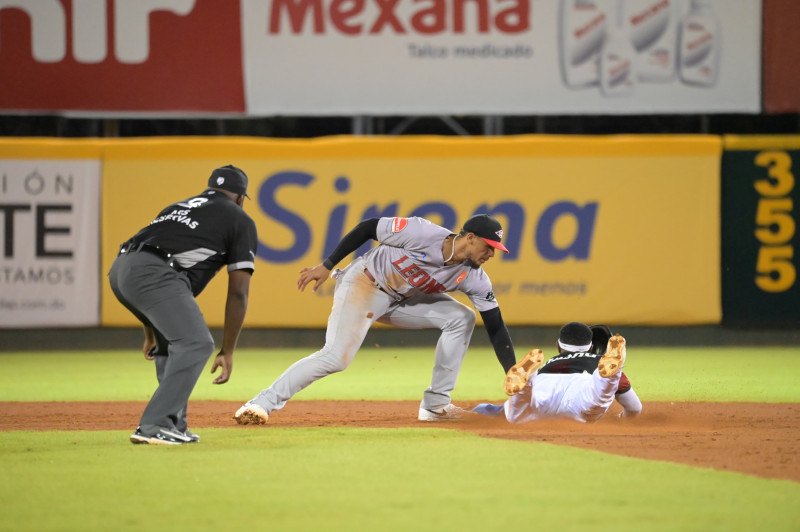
column 488, row 228
column 229, row 178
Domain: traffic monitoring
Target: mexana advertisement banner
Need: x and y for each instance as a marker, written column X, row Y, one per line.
column 342, row 57
column 502, row 56
column 49, row 272
column 608, row 230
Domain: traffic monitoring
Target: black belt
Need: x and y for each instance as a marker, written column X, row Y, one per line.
column 150, row 248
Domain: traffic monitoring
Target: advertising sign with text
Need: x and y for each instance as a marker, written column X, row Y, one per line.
column 50, row 237
column 382, row 57
column 611, row 230
column 101, row 56
column 502, row 56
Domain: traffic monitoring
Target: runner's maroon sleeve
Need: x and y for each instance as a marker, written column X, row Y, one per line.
column 624, row 384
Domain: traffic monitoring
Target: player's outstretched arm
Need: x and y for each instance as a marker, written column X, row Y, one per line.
column 498, row 335
column 352, row 241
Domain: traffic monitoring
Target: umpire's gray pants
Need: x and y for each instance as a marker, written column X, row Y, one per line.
column 357, row 304
column 162, row 298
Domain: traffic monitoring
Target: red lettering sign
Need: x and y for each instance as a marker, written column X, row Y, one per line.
column 351, row 17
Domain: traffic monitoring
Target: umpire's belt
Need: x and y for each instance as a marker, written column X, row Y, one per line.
column 150, row 248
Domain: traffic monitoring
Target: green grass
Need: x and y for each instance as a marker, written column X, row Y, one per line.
column 366, row 479
column 351, row 479
column 658, row 374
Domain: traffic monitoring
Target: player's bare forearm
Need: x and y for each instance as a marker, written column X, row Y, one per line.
column 318, row 275
column 235, row 311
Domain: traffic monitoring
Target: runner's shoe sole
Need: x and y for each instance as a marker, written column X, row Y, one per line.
column 250, row 414
column 614, row 359
column 517, row 377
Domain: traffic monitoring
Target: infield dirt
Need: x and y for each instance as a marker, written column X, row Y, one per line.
column 761, row 439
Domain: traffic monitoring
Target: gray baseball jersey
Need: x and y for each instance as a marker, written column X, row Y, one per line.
column 409, row 262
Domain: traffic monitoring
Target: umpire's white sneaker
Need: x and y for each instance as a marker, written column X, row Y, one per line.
column 614, row 359
column 251, row 414
column 449, row 413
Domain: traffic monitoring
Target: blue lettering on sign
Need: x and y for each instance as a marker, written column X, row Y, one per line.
column 579, row 248
column 512, row 216
column 445, row 213
column 298, row 226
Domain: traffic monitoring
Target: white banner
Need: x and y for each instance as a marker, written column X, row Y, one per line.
column 317, row 57
column 49, row 272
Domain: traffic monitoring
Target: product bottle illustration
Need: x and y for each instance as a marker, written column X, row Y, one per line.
column 582, row 28
column 653, row 27
column 700, row 37
column 618, row 58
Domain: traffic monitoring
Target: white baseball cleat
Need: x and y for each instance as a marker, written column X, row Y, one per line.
column 614, row 359
column 251, row 414
column 449, row 413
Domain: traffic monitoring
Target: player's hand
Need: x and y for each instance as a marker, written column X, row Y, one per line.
column 224, row 361
column 318, row 274
column 149, row 346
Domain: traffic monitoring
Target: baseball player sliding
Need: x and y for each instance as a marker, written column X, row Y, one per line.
column 402, row 283
column 579, row 383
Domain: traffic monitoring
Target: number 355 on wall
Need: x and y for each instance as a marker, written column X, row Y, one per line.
column 775, row 223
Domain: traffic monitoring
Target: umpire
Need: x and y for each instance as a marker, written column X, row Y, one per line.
column 157, row 275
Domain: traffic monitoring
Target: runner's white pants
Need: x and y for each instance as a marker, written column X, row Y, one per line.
column 357, row 304
column 578, row 396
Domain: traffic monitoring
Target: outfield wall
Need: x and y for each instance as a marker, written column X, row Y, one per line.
column 620, row 229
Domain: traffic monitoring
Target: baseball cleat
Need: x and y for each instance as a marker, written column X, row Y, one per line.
column 614, row 358
column 449, row 413
column 162, row 437
column 193, row 438
column 517, row 377
column 251, row 414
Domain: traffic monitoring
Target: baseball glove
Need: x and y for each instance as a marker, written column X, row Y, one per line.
column 600, row 336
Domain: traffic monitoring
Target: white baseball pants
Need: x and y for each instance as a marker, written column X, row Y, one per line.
column 578, row 396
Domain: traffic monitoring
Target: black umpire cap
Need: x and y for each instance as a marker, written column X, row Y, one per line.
column 229, row 178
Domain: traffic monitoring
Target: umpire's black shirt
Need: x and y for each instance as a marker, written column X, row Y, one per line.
column 203, row 233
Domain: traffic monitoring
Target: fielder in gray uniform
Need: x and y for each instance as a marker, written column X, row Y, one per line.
column 402, row 283
column 157, row 275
